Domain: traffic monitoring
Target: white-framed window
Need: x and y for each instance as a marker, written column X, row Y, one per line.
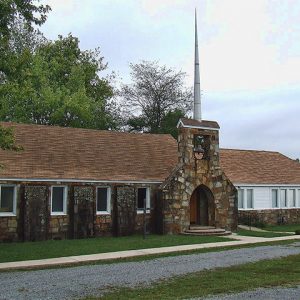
column 298, row 200
column 240, row 198
column 143, row 197
column 292, row 198
column 245, row 198
column 283, row 198
column 8, row 200
column 103, row 200
column 250, row 199
column 59, row 200
column 275, row 198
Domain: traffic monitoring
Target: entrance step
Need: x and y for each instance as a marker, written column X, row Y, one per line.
column 199, row 227
column 206, row 231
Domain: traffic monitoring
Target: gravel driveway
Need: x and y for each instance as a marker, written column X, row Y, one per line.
column 76, row 282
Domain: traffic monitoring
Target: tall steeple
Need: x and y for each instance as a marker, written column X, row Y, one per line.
column 197, row 94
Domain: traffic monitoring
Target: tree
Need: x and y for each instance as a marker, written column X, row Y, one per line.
column 10, row 11
column 157, row 95
column 58, row 84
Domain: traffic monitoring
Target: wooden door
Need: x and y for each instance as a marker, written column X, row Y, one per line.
column 203, row 209
column 194, row 208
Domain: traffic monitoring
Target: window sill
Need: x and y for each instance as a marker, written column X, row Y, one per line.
column 141, row 211
column 7, row 214
column 103, row 213
column 57, row 214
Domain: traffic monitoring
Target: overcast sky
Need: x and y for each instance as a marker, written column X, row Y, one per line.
column 249, row 56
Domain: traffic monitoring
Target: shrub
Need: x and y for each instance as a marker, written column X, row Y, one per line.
column 297, row 231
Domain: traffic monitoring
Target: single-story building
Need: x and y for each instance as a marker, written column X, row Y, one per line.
column 268, row 185
column 70, row 182
column 73, row 183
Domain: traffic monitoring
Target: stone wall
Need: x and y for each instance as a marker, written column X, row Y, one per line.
column 191, row 173
column 8, row 229
column 36, row 212
column 103, row 225
column 59, row 227
column 33, row 220
column 270, row 216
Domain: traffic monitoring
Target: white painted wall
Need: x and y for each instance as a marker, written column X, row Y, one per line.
column 262, row 196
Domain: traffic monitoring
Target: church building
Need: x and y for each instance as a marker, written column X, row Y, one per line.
column 78, row 183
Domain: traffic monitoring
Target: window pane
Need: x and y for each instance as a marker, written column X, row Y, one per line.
column 102, row 199
column 275, row 198
column 7, row 199
column 283, row 200
column 240, row 198
column 58, row 199
column 292, row 198
column 142, row 195
column 249, row 198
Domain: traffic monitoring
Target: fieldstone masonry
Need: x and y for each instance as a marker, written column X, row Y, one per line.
column 37, row 214
column 125, row 210
column 192, row 172
column 270, row 216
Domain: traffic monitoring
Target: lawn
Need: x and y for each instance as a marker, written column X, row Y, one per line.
column 235, row 279
column 51, row 249
column 260, row 233
column 283, row 228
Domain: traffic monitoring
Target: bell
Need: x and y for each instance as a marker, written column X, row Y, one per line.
column 198, row 149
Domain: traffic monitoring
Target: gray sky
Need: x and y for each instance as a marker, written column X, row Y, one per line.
column 249, row 56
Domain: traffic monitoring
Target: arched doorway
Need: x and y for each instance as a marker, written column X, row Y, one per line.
column 202, row 208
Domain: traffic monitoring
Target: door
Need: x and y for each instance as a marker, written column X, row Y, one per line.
column 199, row 207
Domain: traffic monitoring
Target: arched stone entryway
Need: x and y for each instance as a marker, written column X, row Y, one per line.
column 202, row 207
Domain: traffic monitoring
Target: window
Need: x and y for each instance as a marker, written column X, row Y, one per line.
column 103, row 200
column 275, row 203
column 143, row 198
column 240, row 198
column 250, row 198
column 283, row 198
column 292, row 198
column 58, row 200
column 7, row 200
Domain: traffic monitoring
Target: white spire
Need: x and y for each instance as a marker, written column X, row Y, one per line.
column 197, row 95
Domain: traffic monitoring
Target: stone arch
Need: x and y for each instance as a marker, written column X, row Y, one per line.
column 202, row 206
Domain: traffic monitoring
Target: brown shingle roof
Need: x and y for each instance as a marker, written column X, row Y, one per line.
column 72, row 153
column 52, row 152
column 259, row 167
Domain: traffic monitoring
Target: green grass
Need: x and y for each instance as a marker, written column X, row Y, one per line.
column 283, row 228
column 51, row 249
column 235, row 279
column 260, row 233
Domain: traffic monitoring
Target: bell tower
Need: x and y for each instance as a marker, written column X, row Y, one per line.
column 198, row 192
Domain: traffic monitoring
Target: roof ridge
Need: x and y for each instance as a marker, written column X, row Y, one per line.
column 251, row 150
column 83, row 129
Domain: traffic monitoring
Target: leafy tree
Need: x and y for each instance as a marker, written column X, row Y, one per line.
column 157, row 97
column 27, row 9
column 58, row 85
column 10, row 11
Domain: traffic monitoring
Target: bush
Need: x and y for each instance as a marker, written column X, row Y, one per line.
column 297, row 232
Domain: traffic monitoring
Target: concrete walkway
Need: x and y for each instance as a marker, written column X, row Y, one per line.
column 70, row 260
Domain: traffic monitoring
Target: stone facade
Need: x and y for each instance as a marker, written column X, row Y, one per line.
column 33, row 220
column 270, row 216
column 193, row 172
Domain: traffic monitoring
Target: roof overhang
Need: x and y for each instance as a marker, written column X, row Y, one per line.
column 181, row 124
column 74, row 180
